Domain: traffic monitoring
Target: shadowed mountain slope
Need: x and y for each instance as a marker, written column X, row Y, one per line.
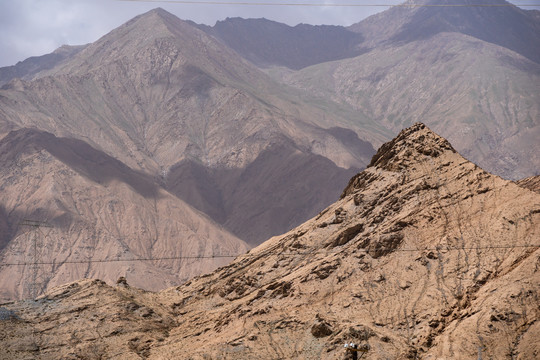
column 268, row 43
column 280, row 189
column 79, row 156
column 102, row 213
column 424, row 256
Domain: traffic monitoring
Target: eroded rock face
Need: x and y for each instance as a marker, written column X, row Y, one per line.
column 423, row 257
column 531, row 183
column 92, row 320
column 409, row 147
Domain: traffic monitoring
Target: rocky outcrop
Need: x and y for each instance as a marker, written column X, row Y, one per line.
column 531, row 183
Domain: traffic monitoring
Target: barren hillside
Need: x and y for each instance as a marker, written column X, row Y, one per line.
column 102, row 214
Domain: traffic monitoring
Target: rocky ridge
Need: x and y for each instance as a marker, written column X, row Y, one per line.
column 425, row 255
column 32, row 66
column 268, row 43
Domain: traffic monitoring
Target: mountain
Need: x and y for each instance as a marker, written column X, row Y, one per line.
column 164, row 98
column 162, row 107
column 185, row 108
column 32, row 66
column 484, row 98
column 101, row 213
column 268, row 43
column 469, row 72
column 425, row 255
column 497, row 22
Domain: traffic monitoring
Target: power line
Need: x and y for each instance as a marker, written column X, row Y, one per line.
column 243, row 3
column 124, row 260
column 247, row 255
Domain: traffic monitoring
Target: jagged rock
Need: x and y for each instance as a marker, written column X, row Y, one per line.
column 347, row 235
column 323, row 271
column 360, row 332
column 281, row 289
column 385, row 245
column 340, row 216
column 321, row 328
column 531, row 183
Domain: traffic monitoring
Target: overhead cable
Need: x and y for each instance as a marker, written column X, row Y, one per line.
column 244, row 3
column 248, row 255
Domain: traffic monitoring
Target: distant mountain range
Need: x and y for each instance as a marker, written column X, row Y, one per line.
column 484, row 98
column 268, row 43
column 221, row 137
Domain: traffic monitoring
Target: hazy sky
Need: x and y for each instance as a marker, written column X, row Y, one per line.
column 37, row 27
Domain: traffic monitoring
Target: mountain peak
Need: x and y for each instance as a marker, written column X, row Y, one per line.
column 159, row 12
column 497, row 22
column 410, row 144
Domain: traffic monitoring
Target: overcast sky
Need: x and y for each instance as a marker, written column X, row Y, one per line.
column 37, row 27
